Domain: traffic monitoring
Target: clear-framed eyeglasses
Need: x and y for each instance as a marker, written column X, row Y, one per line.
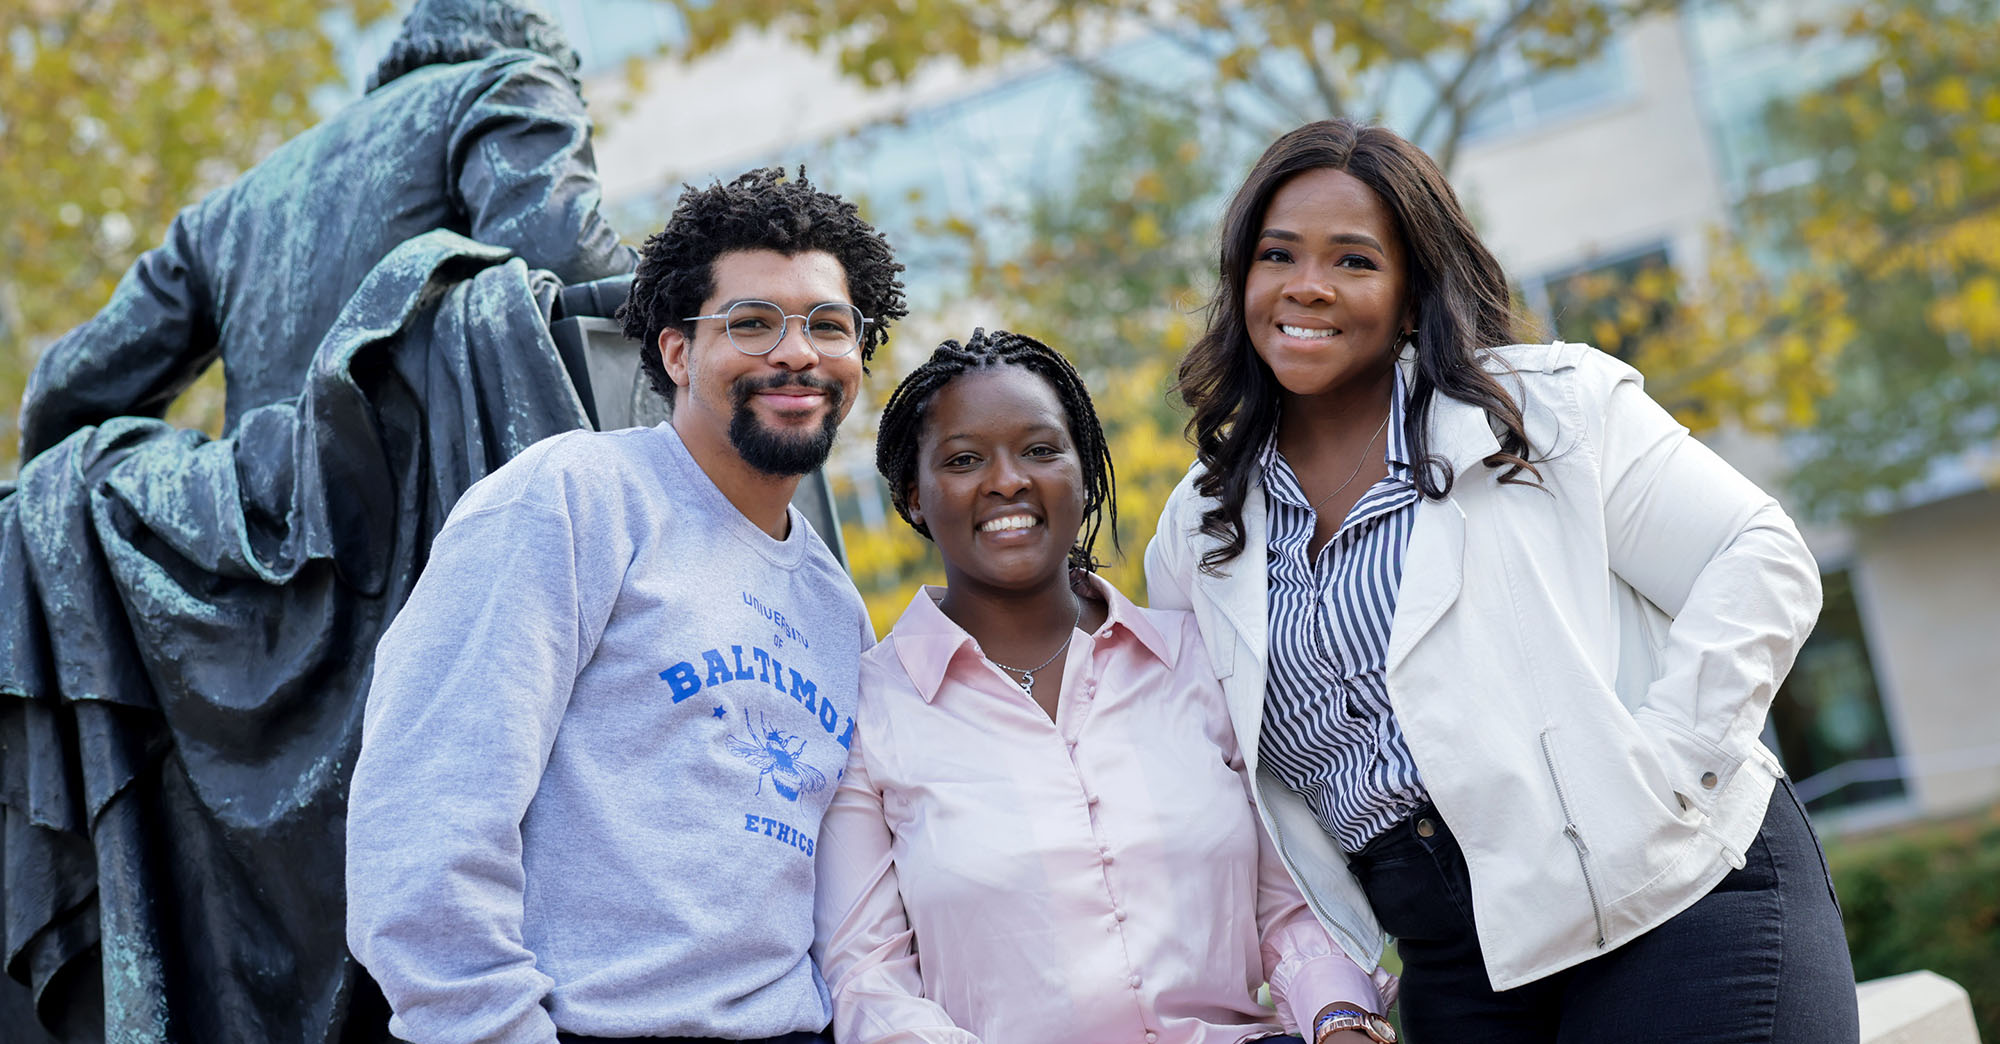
column 756, row 327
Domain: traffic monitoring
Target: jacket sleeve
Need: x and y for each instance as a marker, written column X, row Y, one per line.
column 1169, row 570
column 1305, row 968
column 523, row 171
column 864, row 944
column 471, row 682
column 148, row 343
column 1720, row 557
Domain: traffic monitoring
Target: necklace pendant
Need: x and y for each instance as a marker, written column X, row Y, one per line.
column 1028, row 682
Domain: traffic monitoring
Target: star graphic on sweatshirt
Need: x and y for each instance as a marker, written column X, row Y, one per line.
column 719, row 712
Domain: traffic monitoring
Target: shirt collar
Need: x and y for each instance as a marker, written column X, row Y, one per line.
column 1277, row 474
column 927, row 642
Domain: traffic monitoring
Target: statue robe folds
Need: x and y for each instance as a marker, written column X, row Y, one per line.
column 187, row 628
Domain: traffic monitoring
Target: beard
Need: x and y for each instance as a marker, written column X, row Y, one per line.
column 780, row 453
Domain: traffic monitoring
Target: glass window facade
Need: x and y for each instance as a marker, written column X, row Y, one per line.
column 1831, row 730
column 1748, row 55
column 1525, row 99
column 1593, row 302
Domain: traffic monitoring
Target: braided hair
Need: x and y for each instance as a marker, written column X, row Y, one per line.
column 901, row 425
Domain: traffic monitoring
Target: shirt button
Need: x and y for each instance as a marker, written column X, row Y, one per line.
column 1092, row 798
column 1426, row 828
column 1105, row 854
column 1151, row 1036
column 1133, row 982
column 1708, row 781
column 1118, row 915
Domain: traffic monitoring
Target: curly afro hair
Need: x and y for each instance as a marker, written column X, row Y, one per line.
column 759, row 210
column 900, row 428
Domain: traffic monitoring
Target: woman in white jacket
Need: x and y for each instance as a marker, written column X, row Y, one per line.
column 1498, row 637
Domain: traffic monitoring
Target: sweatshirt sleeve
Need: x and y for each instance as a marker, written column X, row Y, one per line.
column 523, row 169
column 470, row 685
column 1718, row 555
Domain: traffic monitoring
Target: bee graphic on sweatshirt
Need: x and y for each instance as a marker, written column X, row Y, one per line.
column 777, row 755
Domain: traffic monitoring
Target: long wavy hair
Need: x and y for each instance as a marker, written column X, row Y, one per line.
column 1462, row 307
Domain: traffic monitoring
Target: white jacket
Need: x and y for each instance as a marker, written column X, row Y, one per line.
column 1582, row 671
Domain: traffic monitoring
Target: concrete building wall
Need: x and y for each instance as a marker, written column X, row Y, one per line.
column 1628, row 173
column 729, row 110
column 1928, row 583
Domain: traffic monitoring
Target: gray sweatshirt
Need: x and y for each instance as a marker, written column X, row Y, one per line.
column 596, row 750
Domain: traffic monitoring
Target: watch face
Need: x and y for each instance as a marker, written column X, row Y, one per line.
column 1379, row 1028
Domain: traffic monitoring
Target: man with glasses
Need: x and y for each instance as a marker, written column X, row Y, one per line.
column 602, row 733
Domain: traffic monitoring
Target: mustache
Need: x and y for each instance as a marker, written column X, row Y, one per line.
column 749, row 385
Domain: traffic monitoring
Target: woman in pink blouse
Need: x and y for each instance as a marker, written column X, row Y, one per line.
column 1044, row 833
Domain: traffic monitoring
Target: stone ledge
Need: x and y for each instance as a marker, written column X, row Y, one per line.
column 1919, row 1007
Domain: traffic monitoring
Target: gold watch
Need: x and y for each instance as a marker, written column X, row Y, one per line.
column 1375, row 1026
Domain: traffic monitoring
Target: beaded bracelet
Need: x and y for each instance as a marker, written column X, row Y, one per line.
column 1328, row 1016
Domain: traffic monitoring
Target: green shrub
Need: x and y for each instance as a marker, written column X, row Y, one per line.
column 1927, row 896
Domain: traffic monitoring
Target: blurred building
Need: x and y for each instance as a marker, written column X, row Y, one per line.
column 1623, row 162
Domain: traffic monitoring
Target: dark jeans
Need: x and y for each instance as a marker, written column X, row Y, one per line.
column 1760, row 958
column 787, row 1039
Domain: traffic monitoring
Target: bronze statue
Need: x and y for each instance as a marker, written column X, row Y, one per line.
column 186, row 624
column 471, row 123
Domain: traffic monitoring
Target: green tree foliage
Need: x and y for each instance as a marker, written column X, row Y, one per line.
column 1856, row 309
column 1926, row 898
column 1902, row 224
column 116, row 114
column 1270, row 65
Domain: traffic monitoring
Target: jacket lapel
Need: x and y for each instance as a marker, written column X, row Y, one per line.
column 1434, row 562
column 1433, row 572
column 1433, row 569
column 1239, row 595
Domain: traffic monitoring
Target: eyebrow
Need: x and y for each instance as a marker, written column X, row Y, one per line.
column 1338, row 238
column 1039, row 429
column 727, row 305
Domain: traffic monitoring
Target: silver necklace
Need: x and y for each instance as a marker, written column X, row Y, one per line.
column 1363, row 459
column 1027, row 682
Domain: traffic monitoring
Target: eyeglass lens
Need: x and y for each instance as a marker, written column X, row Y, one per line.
column 755, row 327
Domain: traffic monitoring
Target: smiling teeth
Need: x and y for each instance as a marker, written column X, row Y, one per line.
column 1009, row 522
column 1308, row 334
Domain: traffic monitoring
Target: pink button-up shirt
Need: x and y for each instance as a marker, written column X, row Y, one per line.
column 986, row 874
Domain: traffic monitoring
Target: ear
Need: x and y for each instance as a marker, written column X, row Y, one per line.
column 915, row 505
column 674, row 349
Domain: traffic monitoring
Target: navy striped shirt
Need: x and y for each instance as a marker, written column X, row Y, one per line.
column 1328, row 732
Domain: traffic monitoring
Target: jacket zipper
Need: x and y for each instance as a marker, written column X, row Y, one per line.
column 1284, row 855
column 1575, row 838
